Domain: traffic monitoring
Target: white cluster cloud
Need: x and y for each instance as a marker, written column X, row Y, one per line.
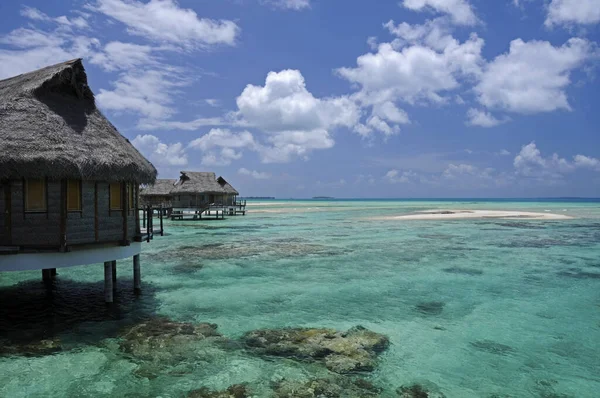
column 37, row 15
column 481, row 118
column 257, row 175
column 166, row 21
column 460, row 10
column 159, row 153
column 421, row 66
column 532, row 77
column 529, row 162
column 147, row 84
column 147, row 92
column 117, row 55
column 565, row 12
column 222, row 146
column 294, row 121
column 31, row 49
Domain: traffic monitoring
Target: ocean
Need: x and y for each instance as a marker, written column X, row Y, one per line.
column 472, row 308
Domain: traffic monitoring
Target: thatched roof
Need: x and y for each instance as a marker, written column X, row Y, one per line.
column 202, row 182
column 161, row 187
column 50, row 127
column 227, row 186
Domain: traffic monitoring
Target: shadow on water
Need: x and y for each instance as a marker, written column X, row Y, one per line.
column 35, row 312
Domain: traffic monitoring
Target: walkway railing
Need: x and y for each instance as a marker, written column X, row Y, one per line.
column 148, row 221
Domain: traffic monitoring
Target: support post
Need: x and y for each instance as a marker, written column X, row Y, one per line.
column 47, row 275
column 137, row 276
column 108, row 282
column 143, row 217
column 114, row 273
column 151, row 220
column 162, row 233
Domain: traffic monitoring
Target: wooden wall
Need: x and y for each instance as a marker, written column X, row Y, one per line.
column 40, row 229
column 43, row 229
column 184, row 200
column 4, row 240
column 165, row 200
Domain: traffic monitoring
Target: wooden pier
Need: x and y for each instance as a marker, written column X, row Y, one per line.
column 148, row 229
column 210, row 211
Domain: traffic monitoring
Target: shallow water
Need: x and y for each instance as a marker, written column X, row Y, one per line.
column 477, row 307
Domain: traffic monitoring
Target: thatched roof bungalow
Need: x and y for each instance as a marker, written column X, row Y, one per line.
column 157, row 194
column 68, row 179
column 199, row 189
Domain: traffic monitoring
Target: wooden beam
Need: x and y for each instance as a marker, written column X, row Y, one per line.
column 24, row 196
column 124, row 200
column 96, row 231
column 47, row 198
column 114, row 274
column 63, row 215
column 137, row 277
column 162, row 232
column 108, row 282
column 8, row 211
column 136, row 208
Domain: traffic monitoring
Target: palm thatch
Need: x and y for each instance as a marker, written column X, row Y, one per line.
column 227, row 186
column 50, row 127
column 195, row 182
column 161, row 187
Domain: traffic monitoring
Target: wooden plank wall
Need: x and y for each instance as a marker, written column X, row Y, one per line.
column 110, row 223
column 3, row 221
column 41, row 229
column 80, row 225
column 132, row 220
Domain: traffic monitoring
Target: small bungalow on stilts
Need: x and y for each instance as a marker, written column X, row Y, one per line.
column 201, row 194
column 158, row 195
column 68, row 180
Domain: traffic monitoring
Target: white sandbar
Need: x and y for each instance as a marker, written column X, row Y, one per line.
column 467, row 214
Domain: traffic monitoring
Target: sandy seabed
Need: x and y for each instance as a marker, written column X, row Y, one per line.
column 470, row 214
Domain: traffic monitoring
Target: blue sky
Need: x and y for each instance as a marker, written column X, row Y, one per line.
column 355, row 98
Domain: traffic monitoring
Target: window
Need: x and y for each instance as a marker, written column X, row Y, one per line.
column 74, row 195
column 131, row 196
column 115, row 196
column 35, row 195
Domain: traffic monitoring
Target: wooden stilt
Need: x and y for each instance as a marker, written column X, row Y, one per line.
column 53, row 272
column 161, row 222
column 114, row 274
column 137, row 277
column 108, row 282
column 47, row 275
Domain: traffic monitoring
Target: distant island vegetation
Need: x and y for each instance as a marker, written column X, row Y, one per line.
column 323, row 197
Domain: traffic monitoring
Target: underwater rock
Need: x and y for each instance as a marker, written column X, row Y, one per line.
column 330, row 388
column 277, row 248
column 418, row 391
column 430, row 307
column 342, row 352
column 492, row 347
column 463, row 271
column 31, row 349
column 235, row 391
column 161, row 339
column 579, row 274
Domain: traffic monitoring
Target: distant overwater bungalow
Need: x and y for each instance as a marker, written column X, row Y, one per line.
column 202, row 194
column 69, row 180
column 158, row 195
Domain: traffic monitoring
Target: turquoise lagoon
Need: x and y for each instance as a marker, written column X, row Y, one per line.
column 509, row 307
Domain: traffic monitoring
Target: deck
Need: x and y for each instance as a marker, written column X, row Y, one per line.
column 209, row 211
